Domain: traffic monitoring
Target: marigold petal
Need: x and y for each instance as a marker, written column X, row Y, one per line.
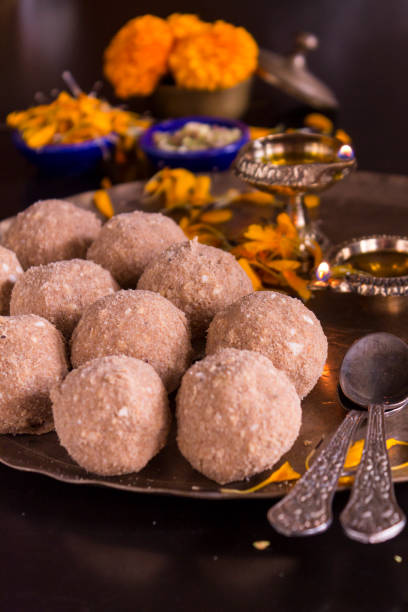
column 220, row 215
column 103, row 203
column 315, row 249
column 298, row 284
column 283, row 264
column 258, row 132
column 282, row 474
column 319, row 122
column 285, row 225
column 201, row 194
column 256, row 281
column 256, row 197
column 311, row 200
column 343, row 136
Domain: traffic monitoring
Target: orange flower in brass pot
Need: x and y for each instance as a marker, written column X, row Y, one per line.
column 137, row 56
column 210, row 65
column 221, row 56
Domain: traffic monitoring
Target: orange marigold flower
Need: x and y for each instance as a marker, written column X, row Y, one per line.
column 137, row 56
column 221, row 56
column 183, row 25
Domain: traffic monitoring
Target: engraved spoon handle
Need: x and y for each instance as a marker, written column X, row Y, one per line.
column 372, row 514
column 306, row 509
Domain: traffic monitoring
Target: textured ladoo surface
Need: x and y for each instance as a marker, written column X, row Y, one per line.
column 139, row 324
column 279, row 327
column 198, row 279
column 112, row 415
column 237, row 415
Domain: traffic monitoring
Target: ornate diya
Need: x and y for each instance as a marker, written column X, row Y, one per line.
column 378, row 263
column 292, row 164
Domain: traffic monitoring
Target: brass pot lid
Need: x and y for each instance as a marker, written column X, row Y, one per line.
column 291, row 74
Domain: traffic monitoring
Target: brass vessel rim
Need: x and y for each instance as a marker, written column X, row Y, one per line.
column 364, row 282
column 248, row 150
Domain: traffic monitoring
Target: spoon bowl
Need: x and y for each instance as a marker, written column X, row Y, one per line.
column 375, row 371
column 374, row 374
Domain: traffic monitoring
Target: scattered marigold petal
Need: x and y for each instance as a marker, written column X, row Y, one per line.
column 180, row 187
column 355, row 452
column 315, row 249
column 256, row 197
column 184, row 223
column 103, row 203
column 282, row 474
column 209, row 239
column 259, row 132
column 343, row 136
column 298, row 284
column 216, row 216
column 354, row 455
column 183, row 183
column 255, row 280
column 319, row 122
column 201, row 194
column 262, row 544
column 311, row 200
column 285, row 225
column 240, row 251
column 283, row 264
column 272, row 278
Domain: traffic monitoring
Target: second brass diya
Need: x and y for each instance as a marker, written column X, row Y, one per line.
column 379, row 265
column 292, row 164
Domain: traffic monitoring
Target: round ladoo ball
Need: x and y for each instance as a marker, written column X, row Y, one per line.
column 51, row 230
column 10, row 270
column 61, row 291
column 236, row 414
column 138, row 324
column 112, row 415
column 279, row 327
column 198, row 279
column 128, row 242
column 32, row 361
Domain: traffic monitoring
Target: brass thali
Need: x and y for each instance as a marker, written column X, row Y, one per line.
column 365, row 203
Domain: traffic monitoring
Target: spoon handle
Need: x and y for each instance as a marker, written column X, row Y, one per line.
column 372, row 514
column 307, row 508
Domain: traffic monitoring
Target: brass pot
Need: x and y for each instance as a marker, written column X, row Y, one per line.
column 231, row 103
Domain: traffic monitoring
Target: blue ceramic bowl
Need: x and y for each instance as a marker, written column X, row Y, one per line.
column 208, row 160
column 71, row 159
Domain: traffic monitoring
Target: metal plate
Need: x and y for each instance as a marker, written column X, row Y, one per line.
column 365, row 203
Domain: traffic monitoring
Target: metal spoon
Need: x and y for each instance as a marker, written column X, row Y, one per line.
column 374, row 374
column 307, row 508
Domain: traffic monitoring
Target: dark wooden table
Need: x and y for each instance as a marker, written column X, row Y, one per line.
column 68, row 548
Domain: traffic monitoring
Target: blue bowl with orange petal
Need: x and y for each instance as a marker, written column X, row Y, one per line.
column 67, row 159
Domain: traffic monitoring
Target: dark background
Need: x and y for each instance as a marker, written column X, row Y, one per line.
column 362, row 55
column 69, row 548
